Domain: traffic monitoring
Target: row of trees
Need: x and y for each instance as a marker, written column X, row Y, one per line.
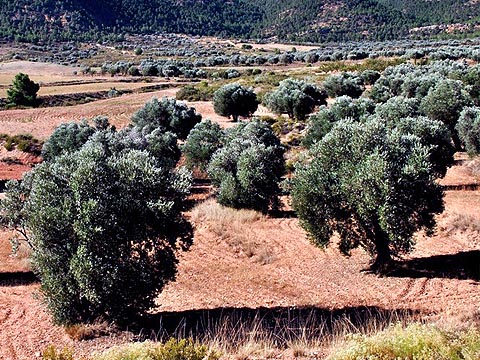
column 296, row 98
column 441, row 91
column 103, row 213
column 193, row 68
column 368, row 154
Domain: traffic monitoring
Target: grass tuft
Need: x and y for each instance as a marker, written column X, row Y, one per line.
column 419, row 342
column 234, row 227
column 88, row 331
column 51, row 353
column 173, row 349
column 461, row 222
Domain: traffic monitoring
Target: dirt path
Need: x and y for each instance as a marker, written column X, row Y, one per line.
column 26, row 327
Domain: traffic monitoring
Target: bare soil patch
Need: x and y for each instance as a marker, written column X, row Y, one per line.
column 42, row 121
column 36, row 68
column 14, row 163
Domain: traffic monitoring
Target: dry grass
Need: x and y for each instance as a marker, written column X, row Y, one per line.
column 474, row 167
column 41, row 122
column 416, row 341
column 462, row 222
column 211, row 211
column 298, row 334
column 235, row 228
column 88, row 331
column 13, row 261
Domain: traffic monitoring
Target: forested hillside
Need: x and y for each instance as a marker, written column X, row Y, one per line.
column 32, row 20
column 305, row 20
column 437, row 12
column 294, row 20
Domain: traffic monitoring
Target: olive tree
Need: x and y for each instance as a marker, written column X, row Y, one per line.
column 344, row 107
column 318, row 125
column 202, row 142
column 373, row 185
column 70, row 137
column 235, row 100
column 396, row 108
column 468, row 128
column 296, row 98
column 166, row 114
column 247, row 170
column 105, row 228
column 445, row 102
column 344, row 84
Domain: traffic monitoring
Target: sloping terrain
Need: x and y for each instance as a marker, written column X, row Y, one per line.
column 252, row 264
column 294, row 20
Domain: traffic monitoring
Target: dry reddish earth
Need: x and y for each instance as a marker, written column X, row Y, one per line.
column 23, row 163
column 41, row 122
column 267, row 263
column 300, row 274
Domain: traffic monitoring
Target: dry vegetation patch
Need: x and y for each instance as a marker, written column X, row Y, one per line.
column 42, row 121
column 235, row 227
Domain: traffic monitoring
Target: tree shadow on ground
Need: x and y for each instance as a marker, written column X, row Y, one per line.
column 18, row 278
column 282, row 214
column 464, row 265
column 280, row 325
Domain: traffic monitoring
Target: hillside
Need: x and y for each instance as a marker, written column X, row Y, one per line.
column 292, row 20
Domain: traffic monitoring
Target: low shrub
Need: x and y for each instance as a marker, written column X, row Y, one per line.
column 419, row 342
column 200, row 92
column 172, row 350
column 22, row 142
column 51, row 353
column 88, row 331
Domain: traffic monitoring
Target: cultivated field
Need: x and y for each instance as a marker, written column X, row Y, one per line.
column 242, row 263
column 252, row 285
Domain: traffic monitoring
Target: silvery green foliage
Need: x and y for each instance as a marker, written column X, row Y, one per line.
column 432, row 134
column 344, row 107
column 161, row 145
column 247, row 170
column 373, row 185
column 347, row 107
column 166, row 114
column 68, row 137
column 205, row 138
column 444, row 103
column 235, row 100
column 409, row 80
column 472, row 79
column 369, row 76
column 443, row 88
column 105, row 228
column 468, row 128
column 296, row 98
column 396, row 108
column 104, row 215
column 344, row 84
column 418, row 85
